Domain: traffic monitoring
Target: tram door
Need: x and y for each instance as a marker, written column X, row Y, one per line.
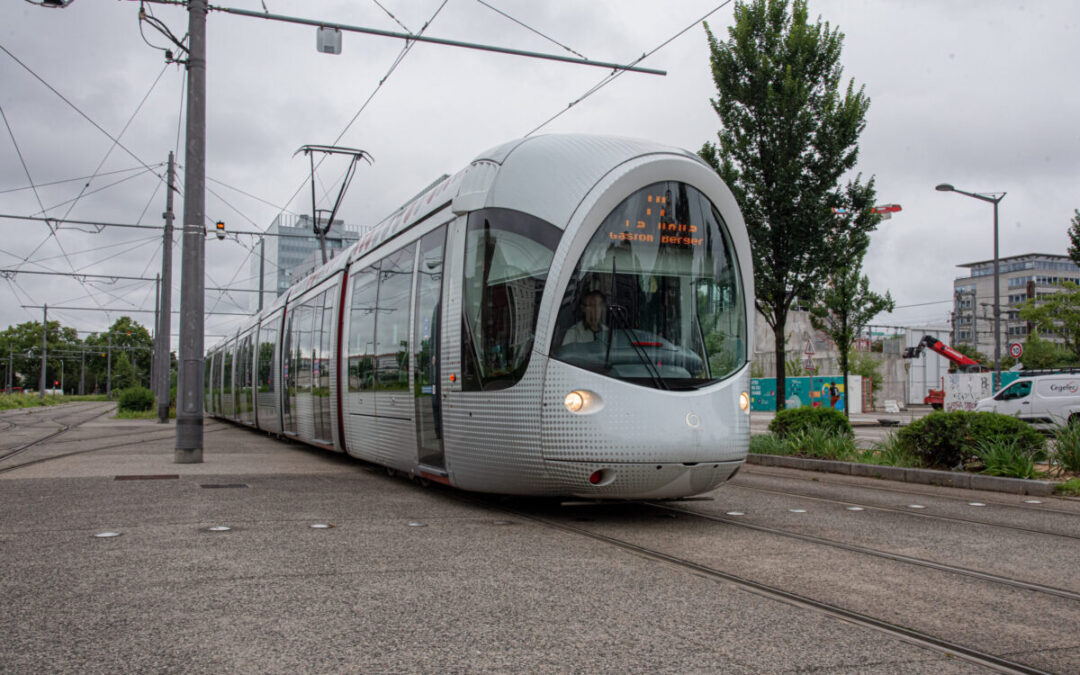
column 426, row 344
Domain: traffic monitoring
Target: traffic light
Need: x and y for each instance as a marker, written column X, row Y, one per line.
column 220, row 229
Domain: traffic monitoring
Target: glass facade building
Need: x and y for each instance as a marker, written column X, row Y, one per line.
column 291, row 251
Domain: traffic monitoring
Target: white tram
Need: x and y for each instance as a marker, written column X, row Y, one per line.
column 568, row 315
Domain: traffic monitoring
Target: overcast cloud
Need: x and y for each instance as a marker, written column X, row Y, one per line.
column 981, row 95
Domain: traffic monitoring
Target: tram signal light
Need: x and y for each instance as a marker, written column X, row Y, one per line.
column 220, row 228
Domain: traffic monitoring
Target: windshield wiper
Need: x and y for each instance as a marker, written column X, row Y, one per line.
column 654, row 373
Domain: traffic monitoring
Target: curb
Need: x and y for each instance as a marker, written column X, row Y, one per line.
column 1019, row 486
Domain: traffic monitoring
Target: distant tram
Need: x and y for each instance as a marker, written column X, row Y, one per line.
column 568, row 316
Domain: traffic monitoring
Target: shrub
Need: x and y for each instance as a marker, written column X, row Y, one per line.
column 1066, row 457
column 795, row 420
column 769, row 444
column 1005, row 457
column 822, row 444
column 891, row 452
column 136, row 399
column 946, row 439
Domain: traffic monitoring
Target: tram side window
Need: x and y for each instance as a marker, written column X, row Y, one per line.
column 507, row 256
column 362, row 330
column 267, row 338
column 392, row 326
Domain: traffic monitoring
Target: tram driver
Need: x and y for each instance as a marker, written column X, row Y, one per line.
column 591, row 328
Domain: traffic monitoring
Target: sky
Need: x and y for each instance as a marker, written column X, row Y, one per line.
column 982, row 95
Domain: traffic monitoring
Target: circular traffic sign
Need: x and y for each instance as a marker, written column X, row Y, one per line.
column 1016, row 350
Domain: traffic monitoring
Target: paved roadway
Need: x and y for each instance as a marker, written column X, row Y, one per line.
column 410, row 579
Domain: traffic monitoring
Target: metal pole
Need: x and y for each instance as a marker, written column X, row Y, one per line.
column 189, row 413
column 997, row 305
column 82, row 372
column 164, row 326
column 157, row 321
column 108, row 370
column 262, row 268
column 44, row 348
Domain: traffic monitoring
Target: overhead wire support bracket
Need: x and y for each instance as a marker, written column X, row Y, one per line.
column 439, row 41
column 310, row 151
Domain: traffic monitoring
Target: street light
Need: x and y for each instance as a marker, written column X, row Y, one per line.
column 993, row 198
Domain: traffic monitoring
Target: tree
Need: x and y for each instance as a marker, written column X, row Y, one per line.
column 21, row 347
column 1074, row 237
column 789, row 133
column 1039, row 354
column 971, row 353
column 124, row 336
column 844, row 308
column 1057, row 313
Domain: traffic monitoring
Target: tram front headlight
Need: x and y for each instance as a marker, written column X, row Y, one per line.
column 583, row 402
column 574, row 401
column 744, row 402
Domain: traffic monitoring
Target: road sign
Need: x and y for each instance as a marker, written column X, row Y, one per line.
column 1016, row 350
column 809, row 365
column 809, row 348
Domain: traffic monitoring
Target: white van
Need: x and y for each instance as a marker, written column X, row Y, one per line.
column 1041, row 400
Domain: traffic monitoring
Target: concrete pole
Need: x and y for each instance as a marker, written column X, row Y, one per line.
column 189, row 413
column 108, row 370
column 164, row 325
column 82, row 372
column 44, row 348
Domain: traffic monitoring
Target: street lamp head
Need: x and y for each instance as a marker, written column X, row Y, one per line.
column 944, row 187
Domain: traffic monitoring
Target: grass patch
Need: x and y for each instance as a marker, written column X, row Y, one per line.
column 13, row 401
column 1070, row 488
column 1007, row 457
column 142, row 414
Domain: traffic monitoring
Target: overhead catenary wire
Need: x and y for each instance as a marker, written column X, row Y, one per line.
column 397, row 61
column 74, row 180
column 528, row 27
column 612, row 76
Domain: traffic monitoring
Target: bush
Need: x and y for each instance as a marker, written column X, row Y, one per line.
column 1005, row 457
column 136, row 399
column 796, row 420
column 946, row 439
column 1066, row 457
column 823, row 444
column 891, row 452
column 769, row 444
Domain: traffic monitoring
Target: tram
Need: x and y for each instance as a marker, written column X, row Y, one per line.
column 569, row 315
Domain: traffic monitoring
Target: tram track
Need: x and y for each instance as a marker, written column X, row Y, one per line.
column 64, row 428
column 916, row 514
column 880, row 553
column 950, row 648
column 909, row 489
column 143, row 439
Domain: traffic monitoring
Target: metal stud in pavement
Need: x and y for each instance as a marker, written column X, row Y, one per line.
column 415, row 523
column 104, row 535
column 854, row 508
column 797, row 510
column 736, row 513
column 218, row 528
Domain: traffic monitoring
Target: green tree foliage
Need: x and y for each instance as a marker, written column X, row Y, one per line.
column 1041, row 354
column 124, row 336
column 843, row 309
column 20, row 349
column 864, row 364
column 971, row 353
column 1074, row 237
column 789, row 133
column 1058, row 313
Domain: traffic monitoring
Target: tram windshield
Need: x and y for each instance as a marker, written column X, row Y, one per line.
column 656, row 298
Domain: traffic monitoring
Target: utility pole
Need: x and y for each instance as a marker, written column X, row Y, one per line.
column 44, row 347
column 82, row 371
column 189, row 413
column 108, row 370
column 262, row 263
column 164, row 327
